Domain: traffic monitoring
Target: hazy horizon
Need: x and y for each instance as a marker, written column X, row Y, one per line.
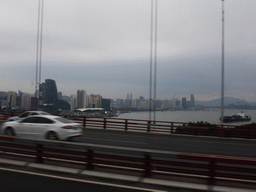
column 103, row 47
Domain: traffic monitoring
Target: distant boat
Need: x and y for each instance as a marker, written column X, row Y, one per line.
column 236, row 118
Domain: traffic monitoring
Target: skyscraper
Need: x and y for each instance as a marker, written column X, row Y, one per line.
column 25, row 101
column 73, row 102
column 11, row 99
column 50, row 93
column 82, row 99
column 192, row 101
column 105, row 103
column 95, row 101
column 184, row 103
column 60, row 95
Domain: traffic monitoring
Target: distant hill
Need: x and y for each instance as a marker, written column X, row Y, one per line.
column 227, row 101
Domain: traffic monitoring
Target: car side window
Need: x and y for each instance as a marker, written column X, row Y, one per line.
column 30, row 120
column 34, row 113
column 46, row 120
column 24, row 114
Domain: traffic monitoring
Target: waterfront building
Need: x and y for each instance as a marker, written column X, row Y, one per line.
column 3, row 99
column 184, row 103
column 166, row 104
column 34, row 103
column 133, row 103
column 3, row 94
column 177, row 104
column 59, row 95
column 82, row 99
column 11, row 99
column 192, row 101
column 25, row 101
column 95, row 101
column 105, row 103
column 50, row 93
column 72, row 102
column 120, row 103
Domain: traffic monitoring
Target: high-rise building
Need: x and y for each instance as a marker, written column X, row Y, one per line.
column 184, row 103
column 60, row 95
column 82, row 99
column 3, row 99
column 105, row 103
column 25, row 101
column 192, row 101
column 130, row 96
column 177, row 104
column 50, row 93
column 11, row 99
column 72, row 102
column 95, row 101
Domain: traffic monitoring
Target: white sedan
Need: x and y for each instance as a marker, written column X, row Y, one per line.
column 43, row 127
column 26, row 114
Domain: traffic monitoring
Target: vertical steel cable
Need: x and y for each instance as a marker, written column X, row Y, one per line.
column 151, row 59
column 41, row 39
column 155, row 60
column 222, row 66
column 37, row 46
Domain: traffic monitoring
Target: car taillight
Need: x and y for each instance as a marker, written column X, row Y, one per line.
column 67, row 127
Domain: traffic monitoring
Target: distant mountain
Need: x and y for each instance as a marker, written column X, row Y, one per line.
column 227, row 101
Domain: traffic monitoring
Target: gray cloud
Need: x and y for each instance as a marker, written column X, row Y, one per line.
column 103, row 46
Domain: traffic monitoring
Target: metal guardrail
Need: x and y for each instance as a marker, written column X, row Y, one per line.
column 149, row 161
column 203, row 129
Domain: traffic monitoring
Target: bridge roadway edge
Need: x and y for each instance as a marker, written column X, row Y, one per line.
column 149, row 184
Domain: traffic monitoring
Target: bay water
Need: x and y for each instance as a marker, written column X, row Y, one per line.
column 211, row 116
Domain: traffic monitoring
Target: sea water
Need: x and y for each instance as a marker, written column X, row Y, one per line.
column 211, row 116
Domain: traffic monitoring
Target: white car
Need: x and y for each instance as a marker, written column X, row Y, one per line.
column 43, row 127
column 27, row 114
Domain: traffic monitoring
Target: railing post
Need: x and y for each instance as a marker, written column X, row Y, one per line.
column 149, row 122
column 126, row 125
column 147, row 166
column 221, row 131
column 171, row 127
column 84, row 122
column 212, row 169
column 89, row 159
column 39, row 151
column 105, row 123
column 249, row 132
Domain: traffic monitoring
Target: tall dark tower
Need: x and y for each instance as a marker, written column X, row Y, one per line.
column 192, row 101
column 50, row 93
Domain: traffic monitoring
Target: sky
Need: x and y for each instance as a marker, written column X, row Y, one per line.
column 103, row 47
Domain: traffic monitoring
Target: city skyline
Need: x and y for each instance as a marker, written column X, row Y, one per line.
column 103, row 47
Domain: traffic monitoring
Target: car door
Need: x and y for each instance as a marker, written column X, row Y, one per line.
column 44, row 124
column 26, row 127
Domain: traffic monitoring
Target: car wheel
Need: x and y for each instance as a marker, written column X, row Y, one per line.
column 52, row 136
column 9, row 131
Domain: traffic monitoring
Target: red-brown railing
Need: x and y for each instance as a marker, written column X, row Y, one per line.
column 149, row 161
column 203, row 129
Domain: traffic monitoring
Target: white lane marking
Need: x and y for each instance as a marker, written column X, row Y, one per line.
column 54, row 168
column 80, row 180
column 12, row 162
column 143, row 143
column 111, row 176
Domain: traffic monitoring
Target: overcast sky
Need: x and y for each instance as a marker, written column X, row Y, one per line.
column 103, row 47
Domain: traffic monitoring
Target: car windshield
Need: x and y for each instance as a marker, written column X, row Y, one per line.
column 63, row 120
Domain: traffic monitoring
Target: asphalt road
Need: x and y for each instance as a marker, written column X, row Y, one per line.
column 168, row 142
column 188, row 144
column 17, row 181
